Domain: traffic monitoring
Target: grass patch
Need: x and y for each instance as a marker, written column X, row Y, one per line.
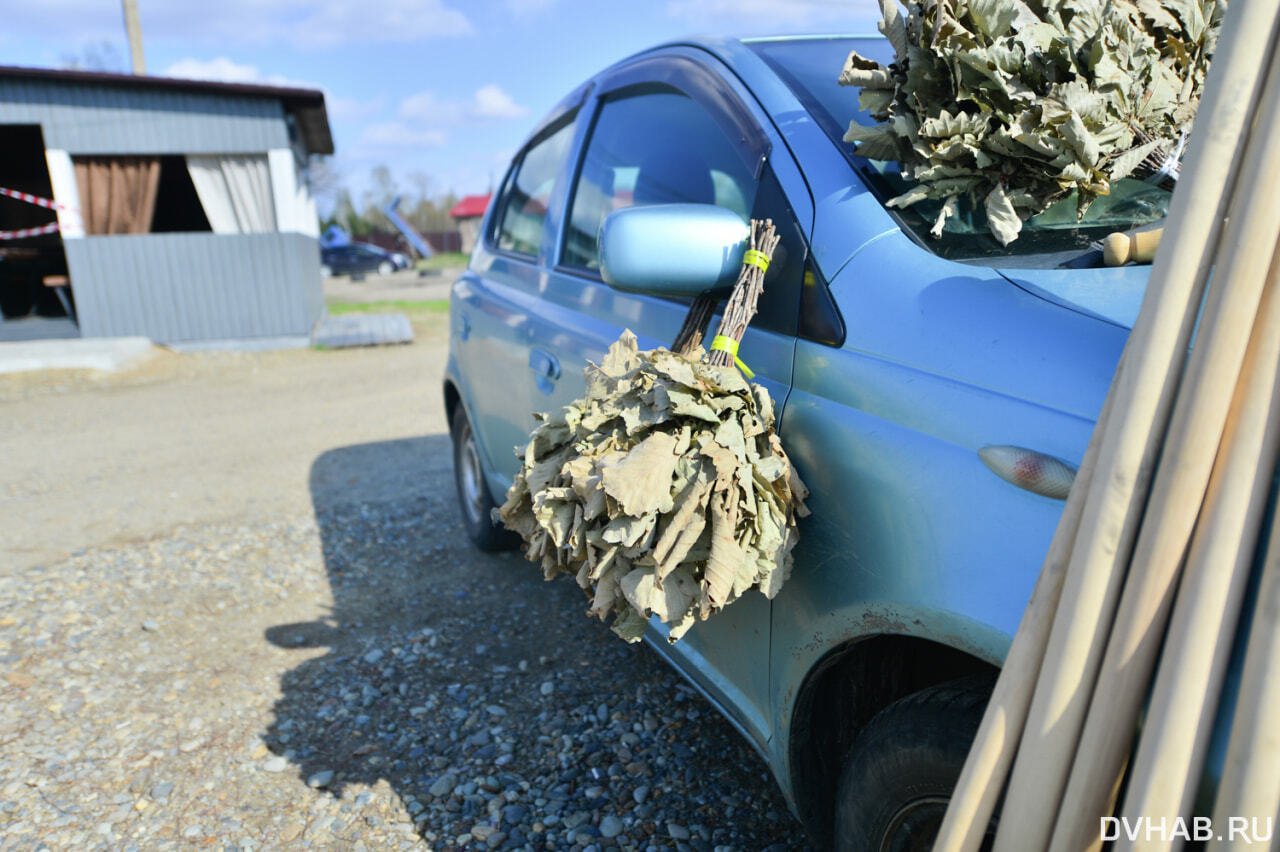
column 413, row 310
column 442, row 260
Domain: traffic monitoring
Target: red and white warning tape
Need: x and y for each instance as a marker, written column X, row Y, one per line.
column 39, row 202
column 29, row 232
column 33, row 199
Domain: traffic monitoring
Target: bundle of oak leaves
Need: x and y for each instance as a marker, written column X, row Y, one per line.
column 664, row 490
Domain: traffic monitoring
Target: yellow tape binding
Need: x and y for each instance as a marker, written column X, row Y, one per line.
column 756, row 258
column 728, row 344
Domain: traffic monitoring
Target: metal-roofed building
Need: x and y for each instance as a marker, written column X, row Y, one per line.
column 183, row 210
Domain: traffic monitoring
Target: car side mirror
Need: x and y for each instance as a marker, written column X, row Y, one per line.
column 672, row 249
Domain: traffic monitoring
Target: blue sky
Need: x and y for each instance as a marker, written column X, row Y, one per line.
column 436, row 88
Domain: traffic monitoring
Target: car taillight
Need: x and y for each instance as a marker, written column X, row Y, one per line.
column 1034, row 471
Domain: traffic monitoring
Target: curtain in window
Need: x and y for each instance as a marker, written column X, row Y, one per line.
column 235, row 191
column 117, row 194
column 295, row 209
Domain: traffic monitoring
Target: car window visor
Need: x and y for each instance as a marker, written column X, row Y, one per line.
column 560, row 113
column 706, row 88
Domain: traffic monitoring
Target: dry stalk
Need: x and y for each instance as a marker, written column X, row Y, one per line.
column 695, row 322
column 746, row 293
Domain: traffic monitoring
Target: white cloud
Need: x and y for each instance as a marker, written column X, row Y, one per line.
column 227, row 70
column 220, row 68
column 309, row 23
column 353, row 109
column 341, row 21
column 426, row 108
column 843, row 15
column 492, row 102
column 529, row 7
column 397, row 134
column 488, row 103
column 76, row 21
column 424, row 120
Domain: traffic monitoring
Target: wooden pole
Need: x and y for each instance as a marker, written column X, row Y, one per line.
column 1118, row 249
column 1193, row 663
column 1195, row 431
column 1127, row 451
column 1250, row 785
column 133, row 28
column 1145, row 389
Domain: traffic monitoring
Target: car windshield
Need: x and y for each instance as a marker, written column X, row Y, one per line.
column 810, row 66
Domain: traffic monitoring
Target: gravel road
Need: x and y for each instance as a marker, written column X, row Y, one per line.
column 406, row 284
column 237, row 611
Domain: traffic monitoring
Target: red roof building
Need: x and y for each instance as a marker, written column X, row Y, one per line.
column 471, row 205
column 468, row 212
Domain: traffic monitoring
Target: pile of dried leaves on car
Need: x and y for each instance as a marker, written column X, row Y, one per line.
column 664, row 490
column 1016, row 104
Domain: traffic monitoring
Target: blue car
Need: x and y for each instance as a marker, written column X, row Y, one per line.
column 360, row 257
column 934, row 394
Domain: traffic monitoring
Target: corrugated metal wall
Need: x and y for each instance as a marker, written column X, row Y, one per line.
column 176, row 287
column 87, row 119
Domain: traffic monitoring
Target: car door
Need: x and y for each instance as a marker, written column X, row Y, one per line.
column 491, row 303
column 668, row 130
column 340, row 260
column 353, row 259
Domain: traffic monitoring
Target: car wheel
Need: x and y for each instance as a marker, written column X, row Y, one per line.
column 473, row 491
column 326, row 271
column 898, row 777
column 386, row 267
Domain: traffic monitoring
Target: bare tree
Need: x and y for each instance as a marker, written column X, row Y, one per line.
column 426, row 209
column 95, row 56
column 325, row 180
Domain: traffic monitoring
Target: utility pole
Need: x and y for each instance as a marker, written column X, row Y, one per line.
column 134, row 28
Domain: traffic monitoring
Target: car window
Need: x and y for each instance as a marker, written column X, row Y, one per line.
column 805, row 66
column 652, row 146
column 779, row 303
column 522, row 209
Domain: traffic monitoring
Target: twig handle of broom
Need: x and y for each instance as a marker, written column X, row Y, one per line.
column 746, row 293
column 695, row 323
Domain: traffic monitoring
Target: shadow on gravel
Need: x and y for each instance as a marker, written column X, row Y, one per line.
column 499, row 714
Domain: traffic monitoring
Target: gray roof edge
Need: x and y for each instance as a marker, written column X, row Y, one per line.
column 307, row 104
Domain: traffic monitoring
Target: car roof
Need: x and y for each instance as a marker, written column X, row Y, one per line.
column 734, row 52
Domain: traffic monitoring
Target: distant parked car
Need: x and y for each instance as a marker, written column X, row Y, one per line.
column 360, row 257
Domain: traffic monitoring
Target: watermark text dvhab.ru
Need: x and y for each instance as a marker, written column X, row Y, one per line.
column 1247, row 830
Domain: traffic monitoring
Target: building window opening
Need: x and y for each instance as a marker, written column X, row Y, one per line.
column 138, row 194
column 178, row 207
column 35, row 292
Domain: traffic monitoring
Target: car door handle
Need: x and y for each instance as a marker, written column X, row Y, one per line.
column 546, row 368
column 544, row 363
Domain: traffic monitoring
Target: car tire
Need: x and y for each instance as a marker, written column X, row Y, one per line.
column 898, row 777
column 386, row 267
column 326, row 271
column 474, row 500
